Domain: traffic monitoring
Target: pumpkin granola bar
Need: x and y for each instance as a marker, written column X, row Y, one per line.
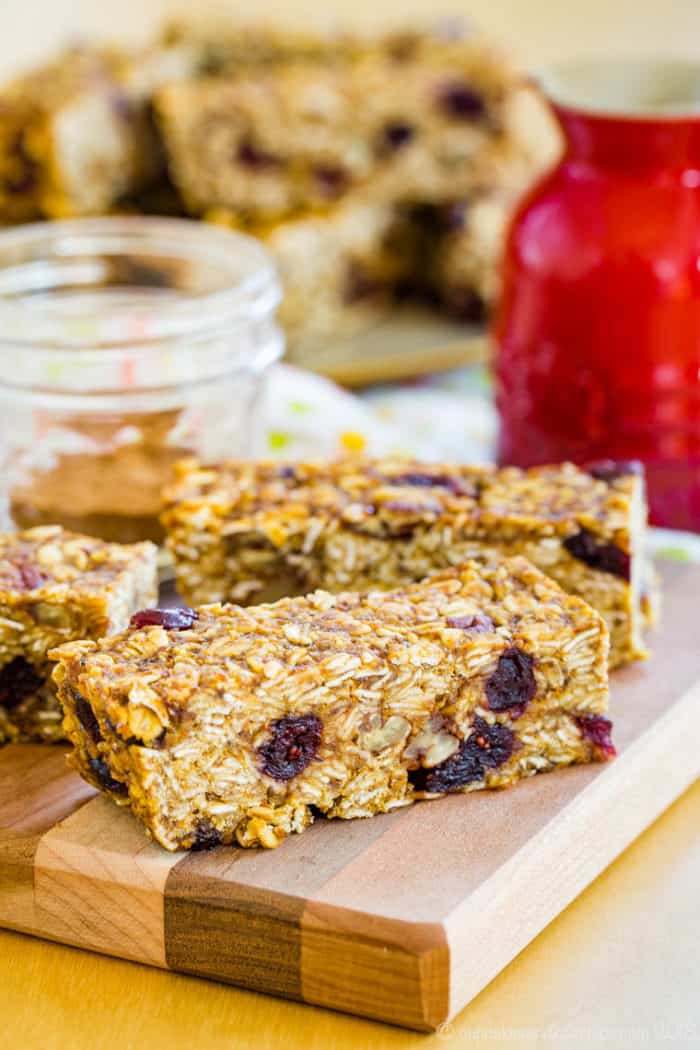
column 231, row 724
column 269, row 144
column 56, row 586
column 239, row 528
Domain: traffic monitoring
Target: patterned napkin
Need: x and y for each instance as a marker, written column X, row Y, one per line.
column 447, row 417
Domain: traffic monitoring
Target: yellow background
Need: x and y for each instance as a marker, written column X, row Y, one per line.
column 621, row 967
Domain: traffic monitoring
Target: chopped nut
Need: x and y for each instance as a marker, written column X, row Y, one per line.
column 432, row 745
column 384, row 735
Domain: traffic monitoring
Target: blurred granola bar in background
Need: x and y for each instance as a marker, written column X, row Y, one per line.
column 376, row 168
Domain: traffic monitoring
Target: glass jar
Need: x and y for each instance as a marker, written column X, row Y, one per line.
column 125, row 344
column 598, row 333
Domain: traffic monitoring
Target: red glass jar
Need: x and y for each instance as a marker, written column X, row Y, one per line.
column 598, row 332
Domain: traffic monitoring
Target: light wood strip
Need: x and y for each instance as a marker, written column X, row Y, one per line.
column 99, row 883
column 36, row 790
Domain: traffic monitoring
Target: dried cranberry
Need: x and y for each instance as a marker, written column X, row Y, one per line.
column 396, row 135
column 461, row 101
column 612, row 469
column 477, row 623
column 605, row 557
column 487, row 747
column 18, row 680
column 513, row 682
column 86, row 716
column 495, row 743
column 31, row 577
column 454, row 216
column 402, row 506
column 331, row 178
column 293, row 743
column 206, row 836
column 250, row 155
column 464, row 304
column 359, row 284
column 170, row 619
column 438, row 481
column 123, row 107
column 597, row 729
column 105, row 779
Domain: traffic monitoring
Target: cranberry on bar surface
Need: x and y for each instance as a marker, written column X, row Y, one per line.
column 237, row 528
column 242, row 727
column 56, row 586
column 171, row 619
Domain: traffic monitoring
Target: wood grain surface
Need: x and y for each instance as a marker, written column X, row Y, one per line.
column 405, row 917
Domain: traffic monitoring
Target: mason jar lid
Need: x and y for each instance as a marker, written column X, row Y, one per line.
column 114, row 302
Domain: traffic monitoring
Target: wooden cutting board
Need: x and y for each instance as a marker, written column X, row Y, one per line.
column 404, row 917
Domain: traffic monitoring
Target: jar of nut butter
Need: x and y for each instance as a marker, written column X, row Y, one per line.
column 126, row 343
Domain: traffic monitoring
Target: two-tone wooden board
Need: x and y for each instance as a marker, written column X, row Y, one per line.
column 403, row 917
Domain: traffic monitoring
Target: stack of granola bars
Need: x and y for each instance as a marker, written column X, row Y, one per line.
column 374, row 168
column 461, row 640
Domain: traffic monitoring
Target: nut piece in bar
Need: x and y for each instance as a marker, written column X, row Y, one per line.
column 229, row 724
column 57, row 586
column 239, row 528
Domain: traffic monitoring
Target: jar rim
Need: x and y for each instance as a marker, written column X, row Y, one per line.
column 624, row 87
column 246, row 288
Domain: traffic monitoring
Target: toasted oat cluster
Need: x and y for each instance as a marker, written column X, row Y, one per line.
column 227, row 724
column 56, row 586
column 238, row 529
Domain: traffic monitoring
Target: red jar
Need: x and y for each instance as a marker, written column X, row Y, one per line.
column 598, row 332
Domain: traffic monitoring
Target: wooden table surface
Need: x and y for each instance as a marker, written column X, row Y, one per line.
column 621, row 967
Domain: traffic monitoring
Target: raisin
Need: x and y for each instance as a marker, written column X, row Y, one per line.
column 461, row 101
column 395, row 135
column 105, row 779
column 487, row 747
column 597, row 729
column 513, row 682
column 250, row 155
column 86, row 716
column 206, row 836
column 170, row 619
column 476, row 623
column 606, row 557
column 293, row 743
column 612, row 469
column 18, row 680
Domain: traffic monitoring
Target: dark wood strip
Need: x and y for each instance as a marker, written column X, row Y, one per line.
column 235, row 914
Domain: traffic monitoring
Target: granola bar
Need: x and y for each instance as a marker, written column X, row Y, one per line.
column 229, row 724
column 267, row 144
column 339, row 269
column 76, row 134
column 56, row 586
column 239, row 528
